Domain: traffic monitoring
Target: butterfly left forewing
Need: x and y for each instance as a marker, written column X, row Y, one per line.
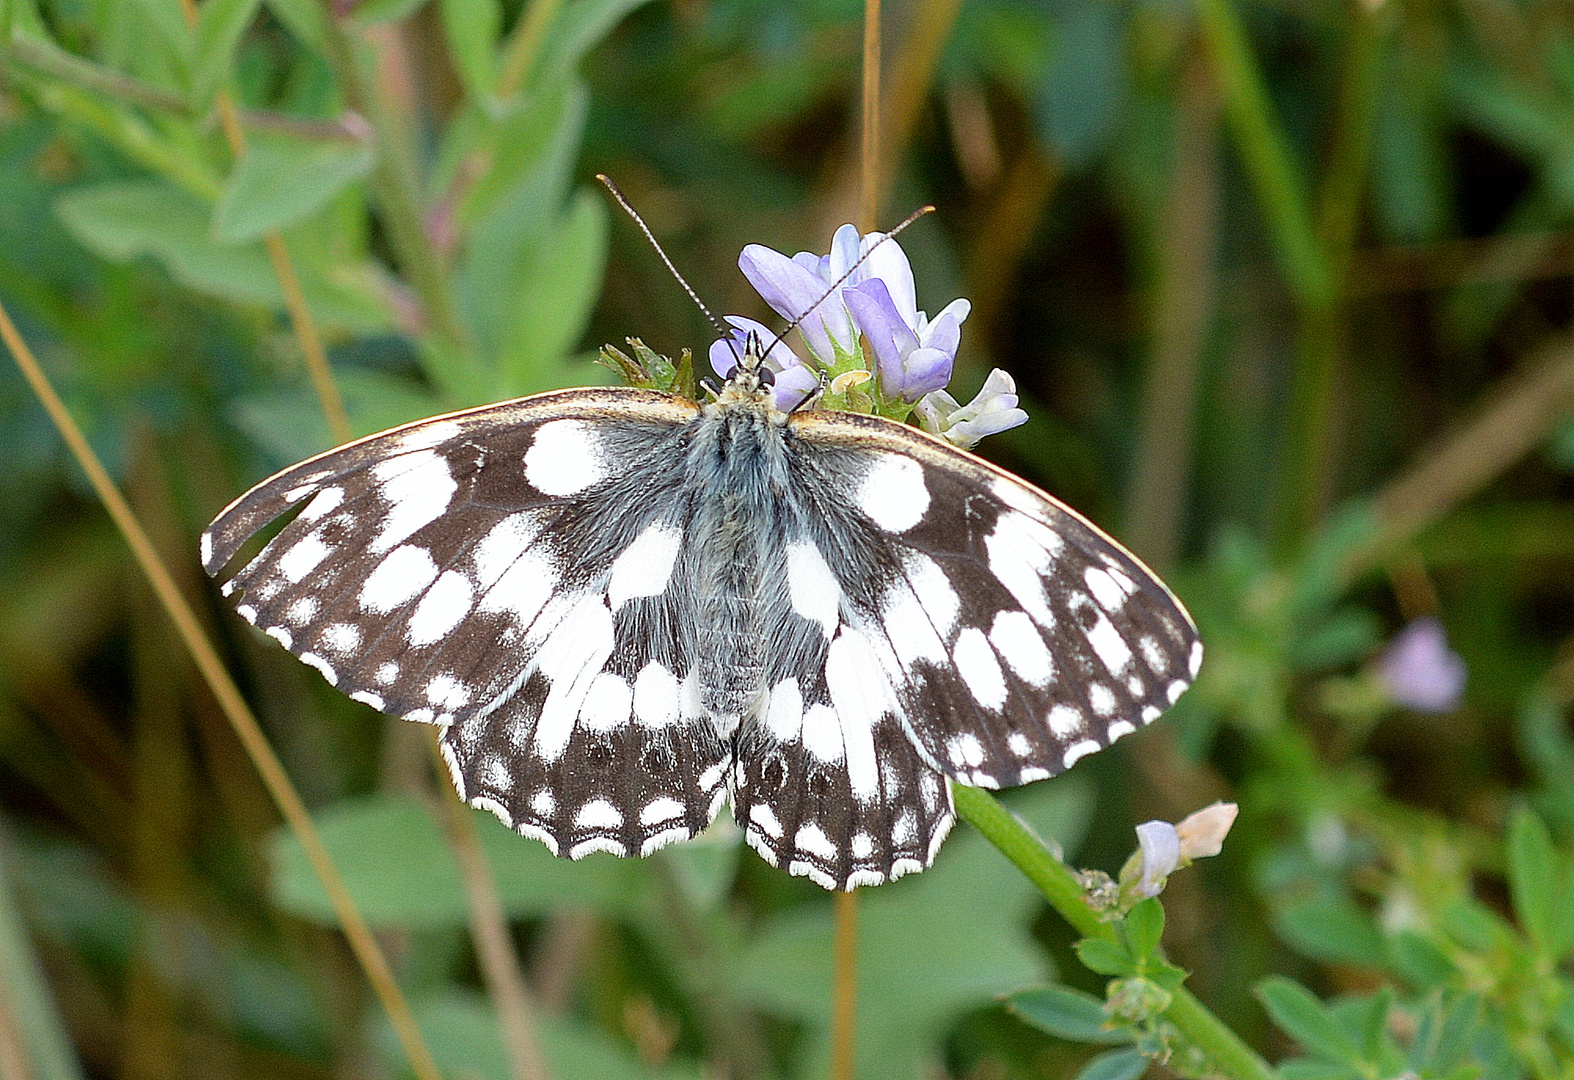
column 1017, row 636
column 493, row 572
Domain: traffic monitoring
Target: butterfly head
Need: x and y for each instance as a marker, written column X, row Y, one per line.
column 751, row 380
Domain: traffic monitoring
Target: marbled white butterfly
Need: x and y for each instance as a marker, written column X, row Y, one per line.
column 624, row 607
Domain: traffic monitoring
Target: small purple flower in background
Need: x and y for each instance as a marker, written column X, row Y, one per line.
column 912, row 355
column 993, row 410
column 1419, row 670
column 800, row 287
column 794, row 381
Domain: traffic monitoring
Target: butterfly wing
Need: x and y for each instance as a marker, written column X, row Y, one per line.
column 1012, row 634
column 497, row 573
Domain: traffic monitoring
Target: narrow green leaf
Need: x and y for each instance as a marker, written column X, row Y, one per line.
column 282, row 180
column 1115, row 1065
column 219, row 29
column 1144, row 927
column 1535, row 879
column 1105, row 957
column 1331, row 929
column 1067, row 1013
column 171, row 36
column 554, row 302
column 1305, row 1019
column 1454, row 1037
column 307, row 20
column 472, row 27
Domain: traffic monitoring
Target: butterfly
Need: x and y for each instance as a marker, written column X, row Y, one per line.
column 624, row 608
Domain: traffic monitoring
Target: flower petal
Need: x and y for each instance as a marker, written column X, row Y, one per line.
column 1420, row 671
column 793, row 291
column 1160, row 855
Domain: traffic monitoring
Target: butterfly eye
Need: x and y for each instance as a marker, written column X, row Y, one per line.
column 767, row 377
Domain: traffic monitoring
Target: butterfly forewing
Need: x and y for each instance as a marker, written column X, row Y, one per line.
column 464, row 571
column 1017, row 637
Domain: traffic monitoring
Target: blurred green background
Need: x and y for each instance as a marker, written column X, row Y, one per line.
column 1285, row 287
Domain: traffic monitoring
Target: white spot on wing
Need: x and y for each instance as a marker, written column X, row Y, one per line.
column 418, row 488
column 975, row 662
column 815, row 593
column 893, row 493
column 563, row 459
column 1175, row 690
column 598, row 814
column 366, row 697
column 811, row 839
column 784, row 713
column 934, row 591
column 1195, row 664
column 656, row 699
column 1102, row 698
column 522, row 589
column 1118, row 729
column 1064, row 721
column 447, row 693
column 822, row 733
column 205, row 547
column 444, row 607
column 402, row 574
column 342, row 637
column 1018, row 641
column 543, row 803
column 281, row 635
column 765, row 819
column 607, row 703
column 303, row 557
column 861, row 696
column 1111, row 648
column 313, row 660
column 426, row 436
column 1077, row 751
column 326, row 502
column 1109, row 587
column 645, row 566
column 386, row 672
column 571, row 656
column 661, row 809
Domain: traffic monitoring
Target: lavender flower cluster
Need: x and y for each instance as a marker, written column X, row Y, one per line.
column 862, row 292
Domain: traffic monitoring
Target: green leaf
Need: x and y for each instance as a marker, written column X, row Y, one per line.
column 1537, row 884
column 555, row 296
column 472, row 28
column 307, row 20
column 167, row 39
column 1306, row 1019
column 1445, row 1035
column 579, row 27
column 462, row 1032
column 123, row 219
column 397, row 866
column 1115, row 1065
column 1331, row 929
column 220, row 24
column 1067, row 1013
column 920, row 964
column 289, row 424
column 282, row 180
column 1144, row 926
column 1105, row 957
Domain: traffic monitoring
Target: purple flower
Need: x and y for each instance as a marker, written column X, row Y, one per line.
column 993, row 410
column 1419, row 670
column 912, row 355
column 1159, row 848
column 794, row 381
column 837, row 297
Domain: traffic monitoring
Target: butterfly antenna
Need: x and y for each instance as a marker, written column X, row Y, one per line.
column 837, row 284
column 617, row 193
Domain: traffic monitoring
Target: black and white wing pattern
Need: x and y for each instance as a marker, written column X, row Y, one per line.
column 623, row 608
column 455, row 572
column 968, row 626
column 1014, row 635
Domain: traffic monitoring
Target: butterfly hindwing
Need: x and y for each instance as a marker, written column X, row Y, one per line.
column 1017, row 636
column 466, row 571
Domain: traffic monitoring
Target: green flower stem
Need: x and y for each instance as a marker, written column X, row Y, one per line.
column 1263, row 150
column 1228, row 1053
column 1016, row 842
